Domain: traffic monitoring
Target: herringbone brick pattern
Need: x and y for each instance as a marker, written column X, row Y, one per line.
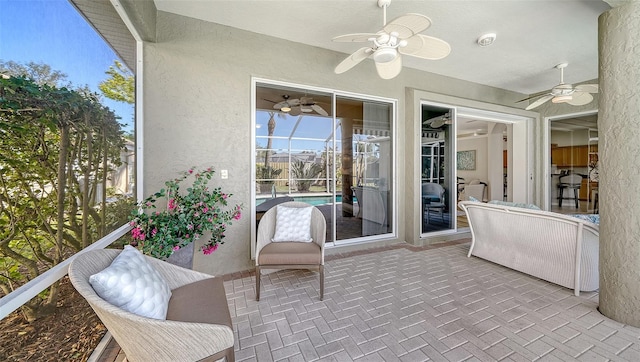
column 408, row 305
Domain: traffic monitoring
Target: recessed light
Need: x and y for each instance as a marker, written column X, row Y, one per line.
column 486, row 39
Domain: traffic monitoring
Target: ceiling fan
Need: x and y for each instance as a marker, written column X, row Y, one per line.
column 297, row 106
column 398, row 37
column 565, row 93
column 439, row 121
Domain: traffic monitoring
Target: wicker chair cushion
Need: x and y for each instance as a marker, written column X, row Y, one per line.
column 203, row 301
column 293, row 224
column 290, row 253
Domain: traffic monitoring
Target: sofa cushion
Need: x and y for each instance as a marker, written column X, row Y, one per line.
column 133, row 284
column 514, row 204
column 593, row 218
column 290, row 253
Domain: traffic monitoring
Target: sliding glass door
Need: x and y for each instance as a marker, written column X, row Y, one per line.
column 366, row 145
column 329, row 150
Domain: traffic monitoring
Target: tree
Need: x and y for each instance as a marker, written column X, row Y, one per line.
column 39, row 73
column 120, row 85
column 305, row 174
column 57, row 146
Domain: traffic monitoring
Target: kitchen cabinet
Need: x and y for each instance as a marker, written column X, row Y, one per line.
column 561, row 156
column 579, row 156
column 571, row 156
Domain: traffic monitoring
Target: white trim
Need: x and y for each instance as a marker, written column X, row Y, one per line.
column 139, row 96
column 139, row 122
column 252, row 172
column 125, row 19
column 26, row 292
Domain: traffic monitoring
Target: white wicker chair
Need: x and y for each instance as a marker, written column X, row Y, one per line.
column 290, row 255
column 203, row 330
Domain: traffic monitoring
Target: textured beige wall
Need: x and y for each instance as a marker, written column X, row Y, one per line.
column 197, row 103
column 479, row 144
column 619, row 147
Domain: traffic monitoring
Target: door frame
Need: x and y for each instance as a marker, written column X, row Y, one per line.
column 523, row 121
column 393, row 234
column 546, row 152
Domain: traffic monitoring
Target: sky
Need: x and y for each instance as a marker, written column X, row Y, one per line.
column 54, row 33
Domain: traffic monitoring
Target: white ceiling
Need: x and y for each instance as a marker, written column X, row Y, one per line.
column 532, row 35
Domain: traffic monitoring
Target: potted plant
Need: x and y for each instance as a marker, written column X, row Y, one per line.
column 171, row 218
column 305, row 174
column 265, row 176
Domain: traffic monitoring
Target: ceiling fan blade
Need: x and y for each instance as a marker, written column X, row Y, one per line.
column 539, row 102
column 528, row 98
column 319, row 110
column 426, row 47
column 438, row 123
column 580, row 98
column 280, row 105
column 352, row 60
column 408, row 25
column 589, row 88
column 356, row 37
column 390, row 69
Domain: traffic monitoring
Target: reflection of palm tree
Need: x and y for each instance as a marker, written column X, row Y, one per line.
column 271, row 127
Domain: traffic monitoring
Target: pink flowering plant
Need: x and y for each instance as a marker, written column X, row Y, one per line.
column 172, row 218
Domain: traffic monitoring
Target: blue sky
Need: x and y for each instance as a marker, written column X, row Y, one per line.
column 54, row 33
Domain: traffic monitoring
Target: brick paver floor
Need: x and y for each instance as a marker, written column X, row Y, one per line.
column 405, row 303
column 421, row 304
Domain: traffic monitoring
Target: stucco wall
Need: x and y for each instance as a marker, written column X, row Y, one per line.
column 197, row 104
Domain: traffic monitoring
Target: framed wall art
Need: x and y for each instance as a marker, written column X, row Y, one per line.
column 466, row 160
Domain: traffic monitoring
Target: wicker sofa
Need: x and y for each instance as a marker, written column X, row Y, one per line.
column 557, row 248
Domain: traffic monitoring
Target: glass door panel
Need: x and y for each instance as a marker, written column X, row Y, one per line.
column 438, row 207
column 366, row 142
column 574, row 164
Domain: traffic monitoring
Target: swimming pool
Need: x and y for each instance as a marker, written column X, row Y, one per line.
column 317, row 200
column 313, row 200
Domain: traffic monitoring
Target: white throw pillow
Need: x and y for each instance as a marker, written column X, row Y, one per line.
column 293, row 224
column 132, row 284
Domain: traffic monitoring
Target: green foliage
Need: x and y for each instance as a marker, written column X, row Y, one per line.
column 169, row 220
column 53, row 141
column 120, row 85
column 305, row 174
column 266, row 174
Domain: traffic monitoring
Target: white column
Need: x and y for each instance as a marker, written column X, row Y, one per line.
column 619, row 153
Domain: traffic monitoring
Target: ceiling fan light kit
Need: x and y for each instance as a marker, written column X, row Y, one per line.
column 561, row 99
column 398, row 37
column 385, row 55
